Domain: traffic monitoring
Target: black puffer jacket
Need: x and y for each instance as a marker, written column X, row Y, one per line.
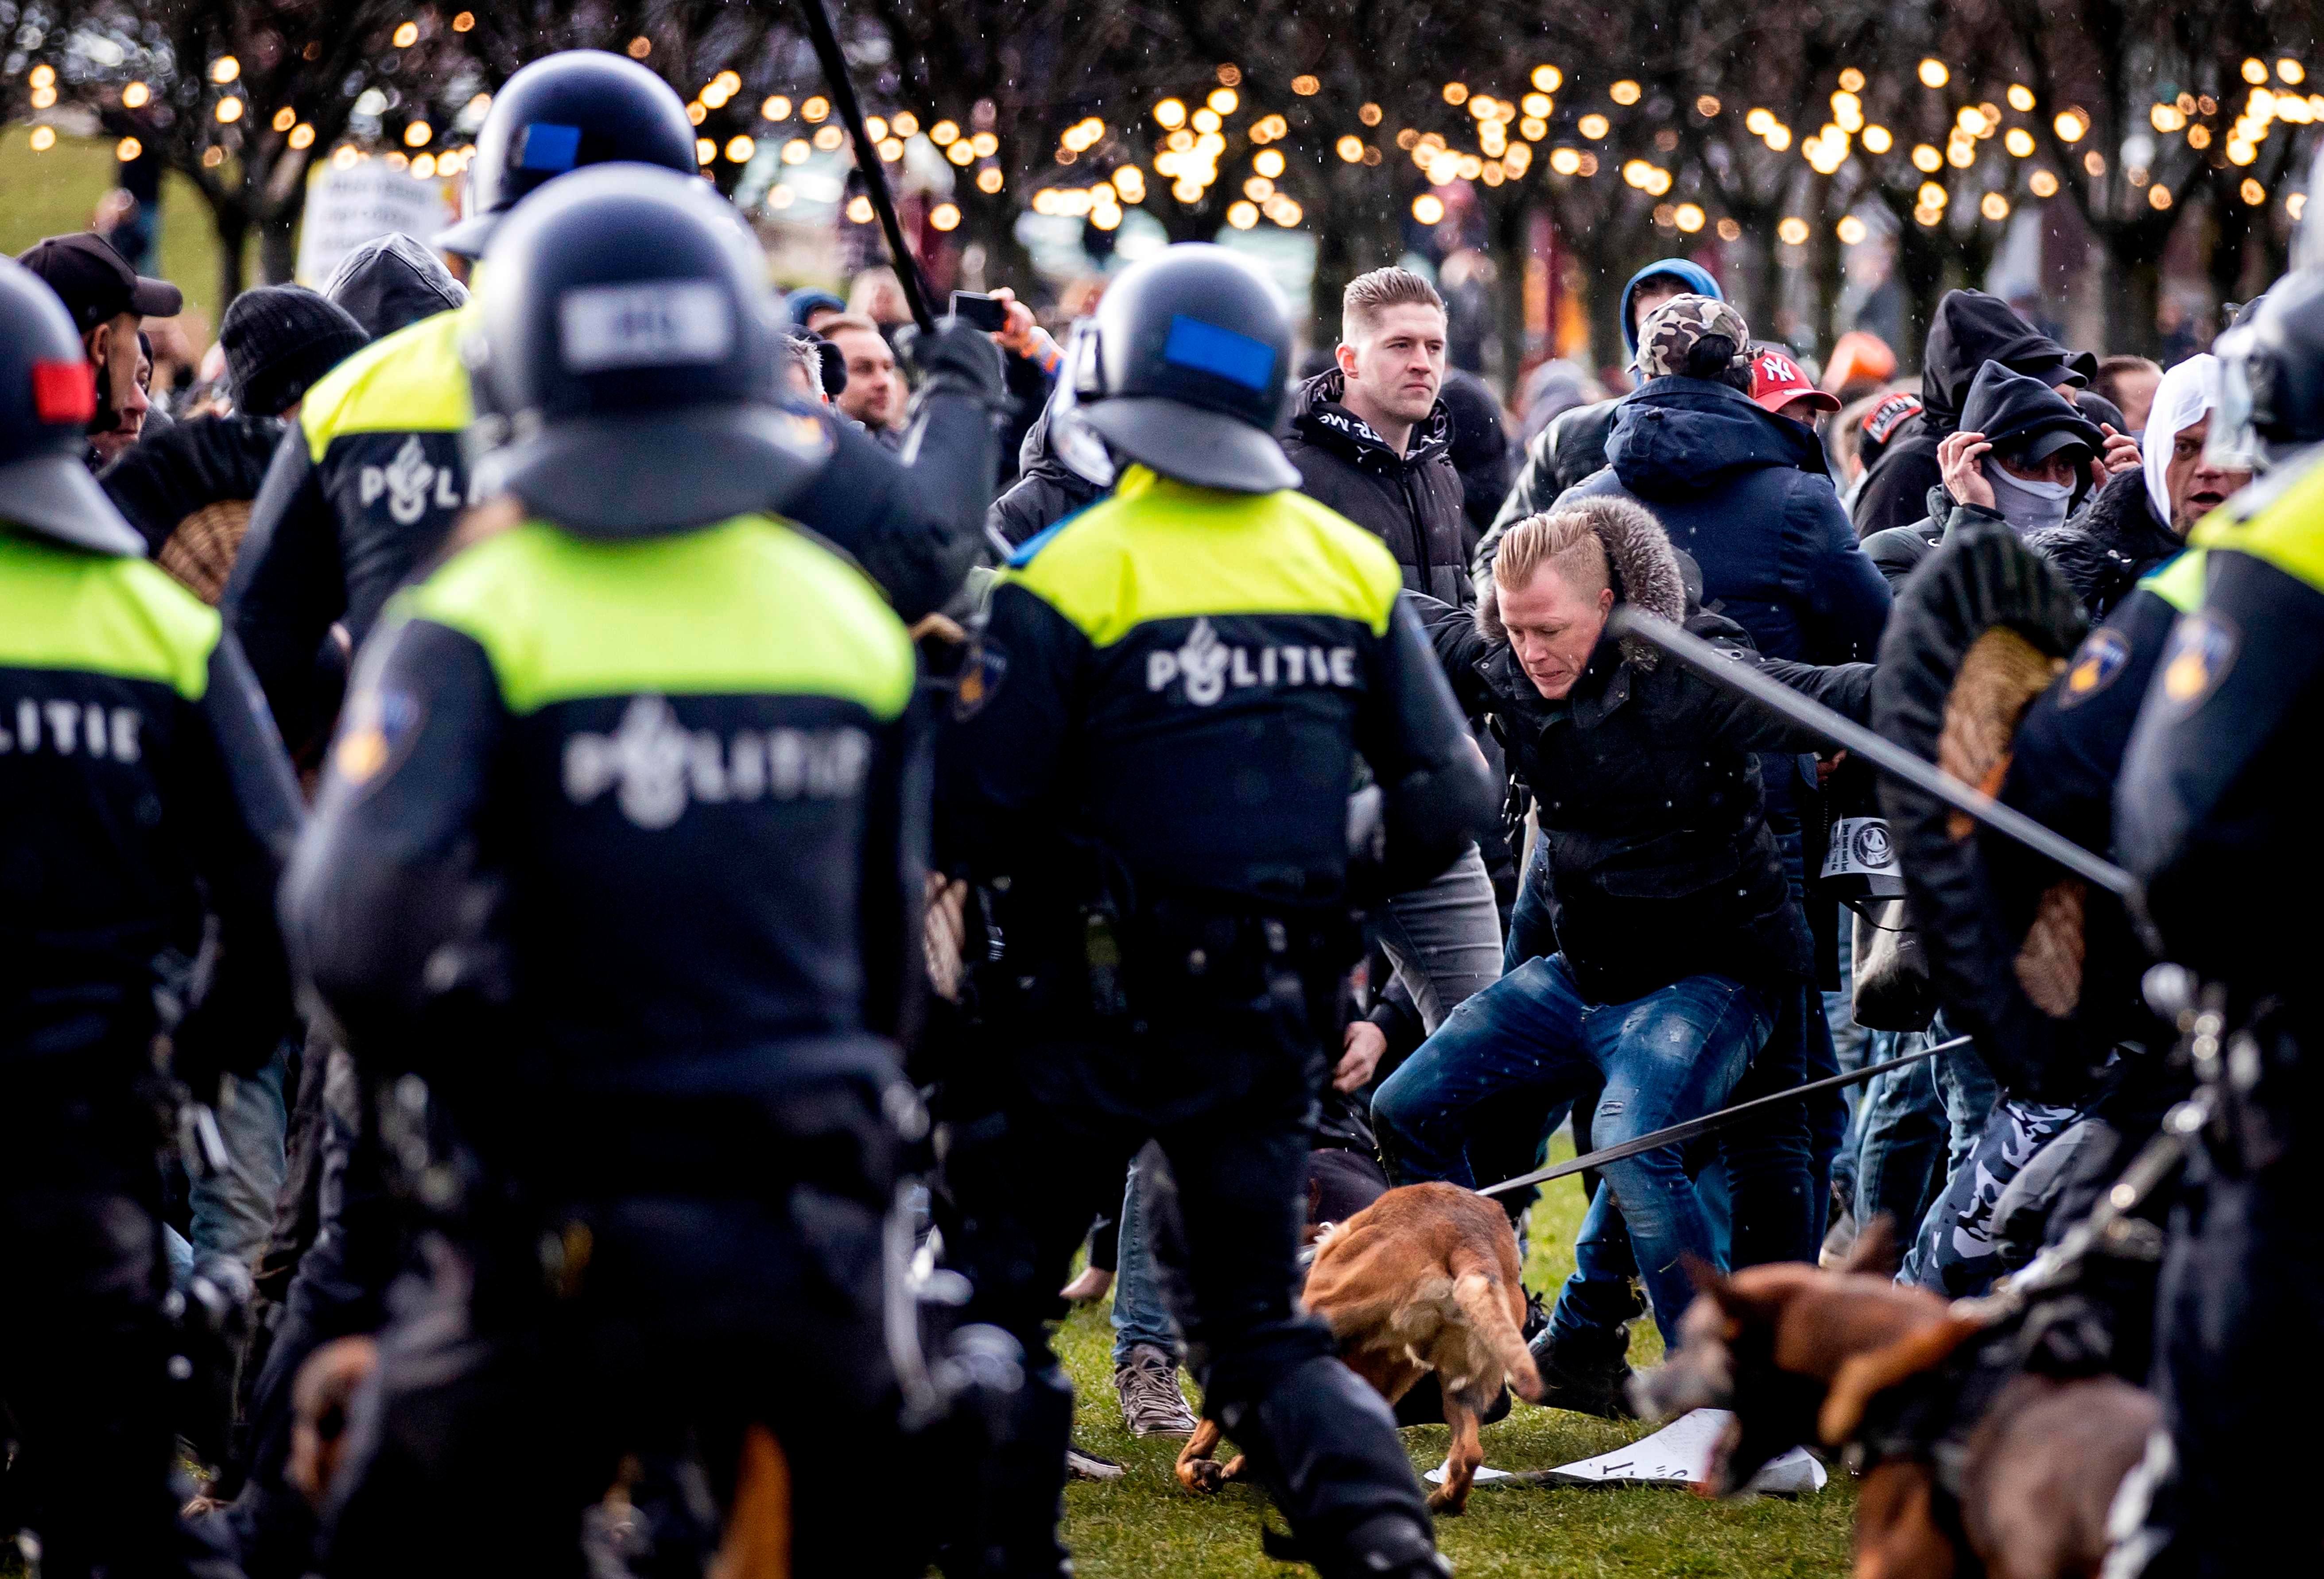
column 168, row 476
column 1411, row 501
column 1661, row 865
column 1047, row 490
column 2106, row 549
column 1971, row 329
column 1572, row 447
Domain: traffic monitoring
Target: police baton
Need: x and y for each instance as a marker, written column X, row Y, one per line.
column 867, row 160
column 1740, row 676
column 1708, row 1122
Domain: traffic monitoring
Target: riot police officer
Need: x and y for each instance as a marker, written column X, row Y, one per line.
column 141, row 785
column 367, row 483
column 615, row 857
column 2215, row 813
column 1147, row 777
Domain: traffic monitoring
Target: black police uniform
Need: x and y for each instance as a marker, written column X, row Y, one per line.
column 142, row 787
column 2215, row 815
column 619, row 854
column 365, row 489
column 1149, row 770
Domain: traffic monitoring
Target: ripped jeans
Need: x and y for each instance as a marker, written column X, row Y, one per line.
column 1532, row 1040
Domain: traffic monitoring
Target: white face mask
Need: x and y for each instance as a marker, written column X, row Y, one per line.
column 2027, row 506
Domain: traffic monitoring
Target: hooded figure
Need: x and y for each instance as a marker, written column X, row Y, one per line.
column 2028, row 424
column 1572, row 445
column 2133, row 525
column 393, row 280
column 1971, row 329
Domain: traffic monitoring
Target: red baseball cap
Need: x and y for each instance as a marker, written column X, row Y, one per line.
column 1776, row 381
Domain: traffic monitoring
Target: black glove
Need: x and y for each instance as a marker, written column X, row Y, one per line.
column 956, row 356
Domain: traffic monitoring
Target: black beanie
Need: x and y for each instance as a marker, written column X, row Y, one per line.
column 279, row 339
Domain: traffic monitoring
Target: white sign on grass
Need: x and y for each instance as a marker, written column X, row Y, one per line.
column 347, row 207
column 1677, row 1455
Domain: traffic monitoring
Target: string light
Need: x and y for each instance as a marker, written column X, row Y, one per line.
column 224, row 69
column 406, row 35
column 1624, row 92
column 1548, row 79
column 134, row 95
column 1688, row 218
column 1934, row 73
column 127, row 149
column 2070, row 125
column 1877, row 140
column 1243, row 215
column 43, row 139
column 1428, row 208
column 1994, row 206
column 945, row 216
column 1593, row 127
column 739, row 150
column 2043, row 183
column 1850, row 230
column 2158, row 195
column 229, row 111
column 2251, row 192
column 814, row 109
column 705, row 151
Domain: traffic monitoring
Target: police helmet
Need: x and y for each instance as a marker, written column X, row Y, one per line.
column 48, row 393
column 573, row 108
column 2271, row 377
column 1183, row 369
column 625, row 365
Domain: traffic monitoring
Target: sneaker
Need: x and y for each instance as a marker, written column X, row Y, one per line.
column 1081, row 1465
column 1151, row 1403
column 1572, row 1380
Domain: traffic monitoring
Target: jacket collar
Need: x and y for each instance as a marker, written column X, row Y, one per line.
column 1317, row 412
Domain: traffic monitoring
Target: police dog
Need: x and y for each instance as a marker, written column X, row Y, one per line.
column 1846, row 1359
column 1423, row 1279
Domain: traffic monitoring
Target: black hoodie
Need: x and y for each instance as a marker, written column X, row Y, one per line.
column 1412, row 502
column 2011, row 409
column 1971, row 329
column 391, row 281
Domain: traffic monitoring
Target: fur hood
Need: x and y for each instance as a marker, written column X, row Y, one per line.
column 1646, row 571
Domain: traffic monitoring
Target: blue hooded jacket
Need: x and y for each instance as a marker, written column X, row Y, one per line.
column 1698, row 281
column 1745, row 494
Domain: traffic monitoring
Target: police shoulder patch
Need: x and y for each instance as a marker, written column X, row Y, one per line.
column 2103, row 658
column 379, row 727
column 2202, row 650
column 980, row 676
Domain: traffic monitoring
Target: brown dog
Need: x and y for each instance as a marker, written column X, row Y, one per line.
column 1425, row 1279
column 1802, row 1355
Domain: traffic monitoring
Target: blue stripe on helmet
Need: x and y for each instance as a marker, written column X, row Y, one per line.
column 551, row 147
column 1207, row 348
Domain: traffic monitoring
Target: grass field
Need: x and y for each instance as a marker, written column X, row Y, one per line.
column 1143, row 1526
column 54, row 192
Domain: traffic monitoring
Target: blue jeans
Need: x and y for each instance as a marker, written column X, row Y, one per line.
column 1531, row 936
column 1532, row 1040
column 1900, row 1137
column 1139, row 1316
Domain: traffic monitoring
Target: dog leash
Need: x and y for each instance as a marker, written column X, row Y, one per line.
column 1708, row 1122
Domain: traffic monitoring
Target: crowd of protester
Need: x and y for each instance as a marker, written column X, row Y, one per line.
column 1646, row 935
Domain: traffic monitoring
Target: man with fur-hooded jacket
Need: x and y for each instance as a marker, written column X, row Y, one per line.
column 1677, row 933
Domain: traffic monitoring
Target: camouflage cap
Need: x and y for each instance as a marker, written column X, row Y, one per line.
column 1671, row 330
